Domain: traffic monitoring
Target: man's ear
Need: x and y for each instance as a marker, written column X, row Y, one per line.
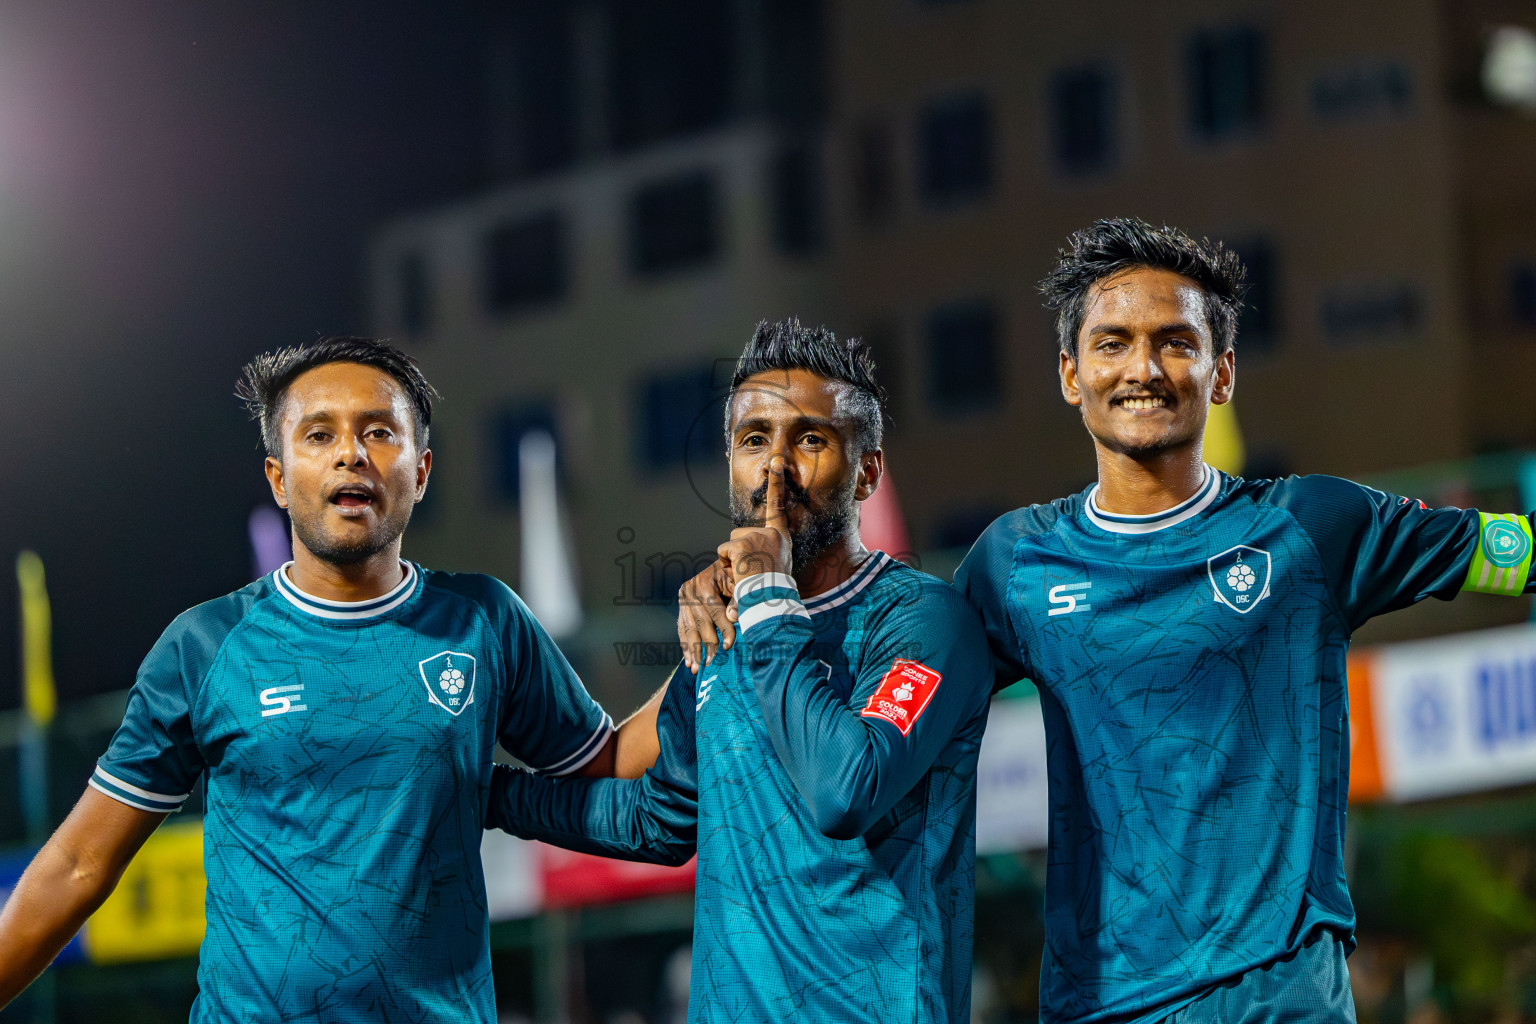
column 274, row 471
column 423, row 470
column 867, row 476
column 1226, row 378
column 1070, row 389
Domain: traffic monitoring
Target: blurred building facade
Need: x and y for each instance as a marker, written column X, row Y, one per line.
column 905, row 170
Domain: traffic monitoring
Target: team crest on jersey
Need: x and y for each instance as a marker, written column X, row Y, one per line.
column 1240, row 577
column 450, row 679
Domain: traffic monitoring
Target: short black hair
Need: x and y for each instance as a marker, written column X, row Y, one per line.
column 1106, row 247
column 265, row 380
column 786, row 345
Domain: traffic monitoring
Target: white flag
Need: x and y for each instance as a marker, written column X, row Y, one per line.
column 548, row 577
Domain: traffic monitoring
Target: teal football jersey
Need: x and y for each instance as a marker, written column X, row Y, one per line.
column 347, row 751
column 825, row 770
column 1191, row 668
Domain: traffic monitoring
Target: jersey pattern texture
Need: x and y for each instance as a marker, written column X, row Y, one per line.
column 1191, row 667
column 825, row 768
column 347, row 750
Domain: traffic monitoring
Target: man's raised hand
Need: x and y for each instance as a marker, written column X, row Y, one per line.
column 706, row 615
column 753, row 550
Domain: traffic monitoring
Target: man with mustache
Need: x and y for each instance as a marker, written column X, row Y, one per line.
column 343, row 711
column 1187, row 631
column 824, row 768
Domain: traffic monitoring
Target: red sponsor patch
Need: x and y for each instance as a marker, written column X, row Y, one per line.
column 904, row 693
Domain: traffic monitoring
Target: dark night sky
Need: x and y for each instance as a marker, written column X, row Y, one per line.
column 184, row 184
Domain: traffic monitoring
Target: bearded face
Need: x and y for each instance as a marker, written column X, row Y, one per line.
column 815, row 525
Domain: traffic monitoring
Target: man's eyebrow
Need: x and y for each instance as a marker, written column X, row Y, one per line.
column 1121, row 331
column 762, row 423
column 366, row 414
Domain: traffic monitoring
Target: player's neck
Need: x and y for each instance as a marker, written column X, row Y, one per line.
column 373, row 577
column 1146, row 485
column 832, row 567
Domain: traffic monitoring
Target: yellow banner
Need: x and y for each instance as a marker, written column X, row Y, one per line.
column 36, row 639
column 157, row 909
column 1223, row 440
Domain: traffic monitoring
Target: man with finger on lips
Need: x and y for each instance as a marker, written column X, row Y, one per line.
column 822, row 766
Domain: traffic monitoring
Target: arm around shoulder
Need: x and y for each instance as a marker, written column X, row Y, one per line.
column 632, row 819
column 651, row 818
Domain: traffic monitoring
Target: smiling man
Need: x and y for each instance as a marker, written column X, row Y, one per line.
column 1187, row 631
column 823, row 766
column 343, row 712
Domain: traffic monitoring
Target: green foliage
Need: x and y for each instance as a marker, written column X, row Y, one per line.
column 1447, row 896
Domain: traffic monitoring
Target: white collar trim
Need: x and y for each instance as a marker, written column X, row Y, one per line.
column 851, row 587
column 1185, row 510
column 350, row 610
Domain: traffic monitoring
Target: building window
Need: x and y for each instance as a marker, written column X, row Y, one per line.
column 955, row 150
column 1227, row 82
column 1522, row 294
column 874, row 172
column 674, row 224
column 1258, row 326
column 963, row 370
column 681, row 417
column 1083, row 119
column 506, row 430
column 670, row 69
column 525, row 264
column 415, row 294
column 796, row 194
column 1363, row 90
column 1360, row 312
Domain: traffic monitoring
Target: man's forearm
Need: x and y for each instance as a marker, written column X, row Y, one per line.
column 68, row 879
column 50, row 903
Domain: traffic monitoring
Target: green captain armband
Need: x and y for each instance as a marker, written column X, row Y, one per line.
column 1502, row 560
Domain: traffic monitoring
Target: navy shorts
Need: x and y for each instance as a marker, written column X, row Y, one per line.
column 1311, row 986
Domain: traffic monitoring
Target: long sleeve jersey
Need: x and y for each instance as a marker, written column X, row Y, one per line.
column 824, row 769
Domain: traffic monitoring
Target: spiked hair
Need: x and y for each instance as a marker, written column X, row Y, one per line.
column 1107, row 247
column 786, row 345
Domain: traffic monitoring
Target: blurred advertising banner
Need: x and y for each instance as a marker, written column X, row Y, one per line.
column 1011, row 809
column 576, row 879
column 511, row 875
column 1440, row 717
column 156, row 911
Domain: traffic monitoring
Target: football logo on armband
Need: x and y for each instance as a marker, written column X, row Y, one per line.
column 1505, row 544
column 1240, row 577
column 450, row 679
column 903, row 694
